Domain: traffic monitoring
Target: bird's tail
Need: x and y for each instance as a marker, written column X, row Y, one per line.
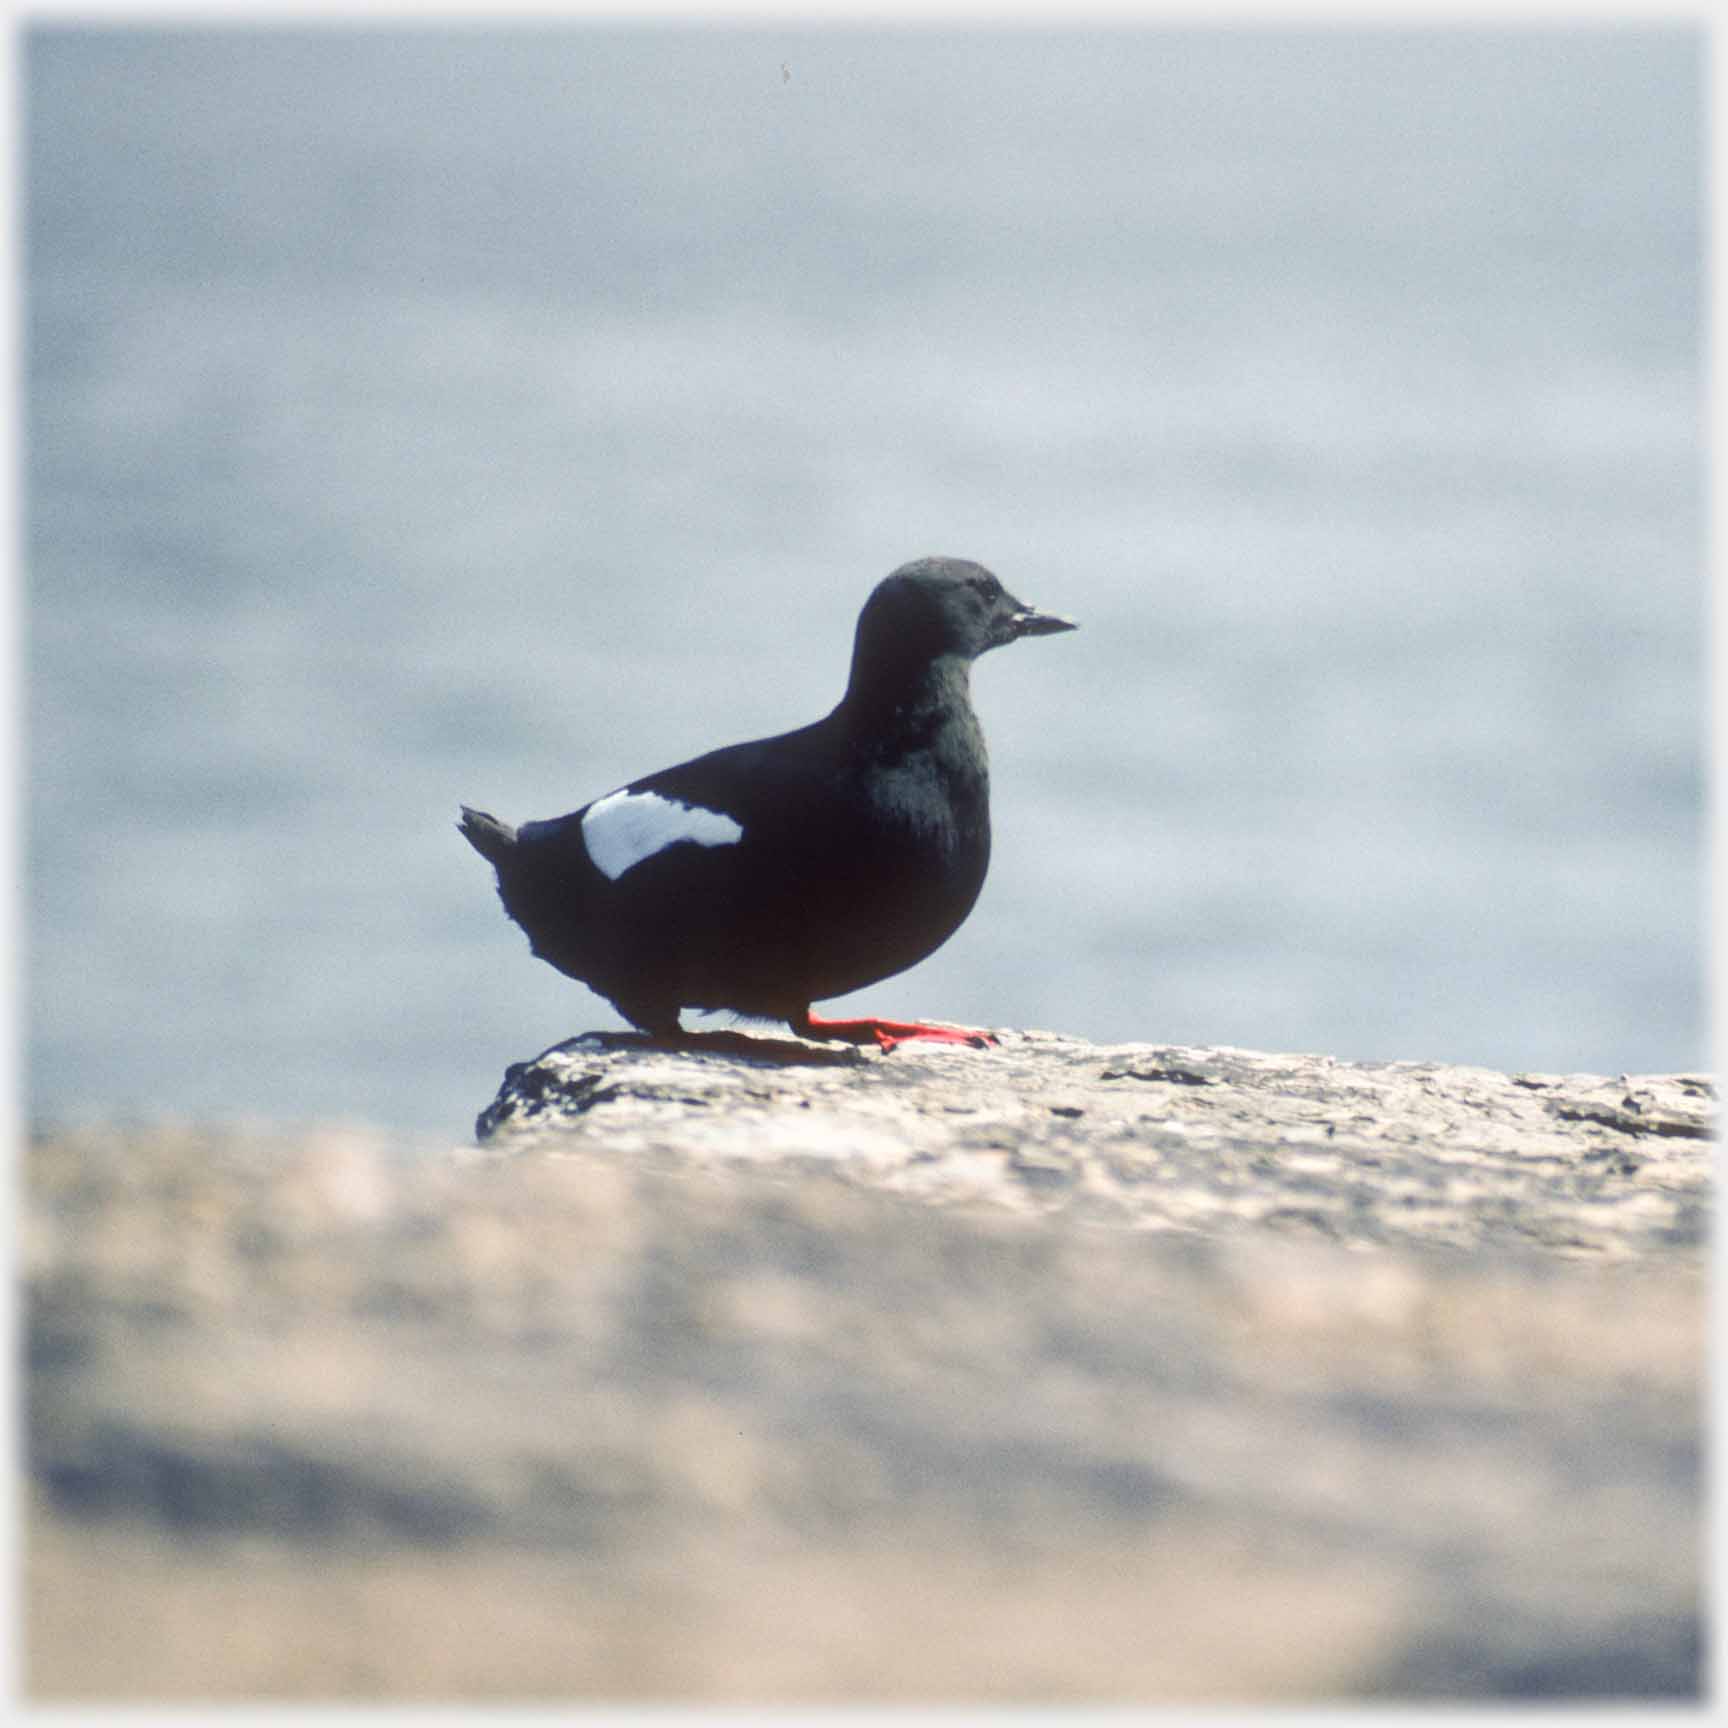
column 492, row 839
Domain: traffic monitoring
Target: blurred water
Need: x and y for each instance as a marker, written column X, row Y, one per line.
column 495, row 414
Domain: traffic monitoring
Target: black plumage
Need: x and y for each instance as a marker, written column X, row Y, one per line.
column 769, row 875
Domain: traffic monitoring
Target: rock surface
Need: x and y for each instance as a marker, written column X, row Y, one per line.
column 763, row 1372
column 1158, row 1137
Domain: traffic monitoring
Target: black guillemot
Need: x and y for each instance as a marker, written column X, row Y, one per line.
column 770, row 875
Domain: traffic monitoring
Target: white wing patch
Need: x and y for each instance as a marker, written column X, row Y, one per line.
column 623, row 828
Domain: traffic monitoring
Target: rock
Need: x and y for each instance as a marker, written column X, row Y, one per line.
column 1156, row 1137
column 767, row 1372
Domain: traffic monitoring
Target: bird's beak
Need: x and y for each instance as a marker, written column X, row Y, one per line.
column 1031, row 622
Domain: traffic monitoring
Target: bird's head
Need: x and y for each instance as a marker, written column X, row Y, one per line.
column 940, row 608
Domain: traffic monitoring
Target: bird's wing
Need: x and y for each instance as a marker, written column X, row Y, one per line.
column 769, row 798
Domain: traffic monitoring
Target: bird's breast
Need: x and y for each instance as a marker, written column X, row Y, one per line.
column 923, row 797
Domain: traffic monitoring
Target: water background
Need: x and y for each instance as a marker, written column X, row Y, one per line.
column 493, row 414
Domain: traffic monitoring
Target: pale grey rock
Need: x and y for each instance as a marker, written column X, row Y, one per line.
column 748, row 1374
column 1157, row 1137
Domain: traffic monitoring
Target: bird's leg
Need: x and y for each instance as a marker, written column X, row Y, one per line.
column 886, row 1033
column 659, row 1024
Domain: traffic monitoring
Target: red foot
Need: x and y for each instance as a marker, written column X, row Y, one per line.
column 891, row 1033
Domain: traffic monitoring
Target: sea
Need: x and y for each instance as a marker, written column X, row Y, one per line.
column 425, row 413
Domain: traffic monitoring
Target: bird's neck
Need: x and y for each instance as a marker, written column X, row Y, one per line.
column 908, row 698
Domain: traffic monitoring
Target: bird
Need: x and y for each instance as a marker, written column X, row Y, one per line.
column 767, row 876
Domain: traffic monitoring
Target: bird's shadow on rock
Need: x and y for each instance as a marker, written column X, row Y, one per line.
column 746, row 1046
